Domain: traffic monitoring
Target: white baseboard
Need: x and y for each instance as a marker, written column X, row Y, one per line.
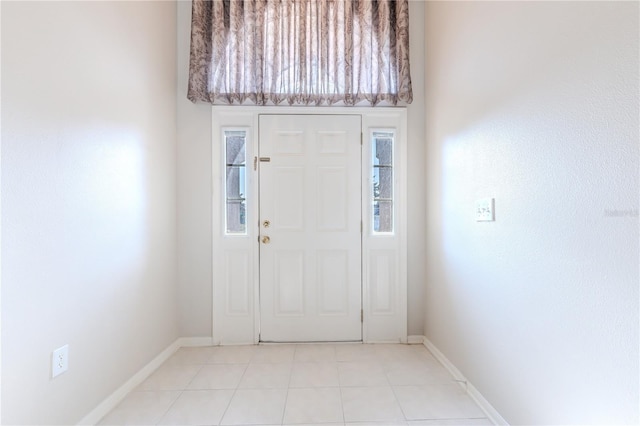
column 457, row 375
column 492, row 413
column 114, row 399
column 186, row 342
column 415, row 340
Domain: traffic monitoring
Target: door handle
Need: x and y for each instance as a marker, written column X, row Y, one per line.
column 266, row 239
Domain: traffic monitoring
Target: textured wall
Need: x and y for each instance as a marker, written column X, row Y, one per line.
column 536, row 104
column 194, row 189
column 88, row 197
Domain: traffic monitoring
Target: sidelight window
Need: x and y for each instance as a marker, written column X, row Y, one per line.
column 235, row 143
column 382, row 188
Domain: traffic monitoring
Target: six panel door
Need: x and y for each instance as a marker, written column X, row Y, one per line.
column 310, row 228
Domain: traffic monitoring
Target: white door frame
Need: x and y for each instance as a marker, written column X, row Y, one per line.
column 235, row 317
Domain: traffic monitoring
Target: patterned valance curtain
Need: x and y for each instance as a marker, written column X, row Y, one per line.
column 309, row 52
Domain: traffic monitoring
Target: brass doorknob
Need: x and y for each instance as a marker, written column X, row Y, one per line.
column 266, row 239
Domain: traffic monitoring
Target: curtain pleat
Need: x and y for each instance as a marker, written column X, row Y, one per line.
column 307, row 52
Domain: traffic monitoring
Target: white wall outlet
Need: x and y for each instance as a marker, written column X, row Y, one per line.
column 485, row 210
column 60, row 361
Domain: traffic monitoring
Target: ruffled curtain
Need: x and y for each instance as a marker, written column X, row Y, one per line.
column 307, row 52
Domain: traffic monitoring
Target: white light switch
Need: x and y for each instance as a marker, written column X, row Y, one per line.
column 484, row 210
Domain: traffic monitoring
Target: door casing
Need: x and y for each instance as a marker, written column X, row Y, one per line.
column 236, row 304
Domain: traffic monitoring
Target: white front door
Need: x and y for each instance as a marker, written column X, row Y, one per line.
column 310, row 228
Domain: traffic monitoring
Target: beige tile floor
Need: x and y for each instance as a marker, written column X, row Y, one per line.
column 342, row 384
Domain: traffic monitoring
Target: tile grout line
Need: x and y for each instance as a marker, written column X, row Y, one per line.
column 335, row 357
column 286, row 398
column 393, row 391
column 180, row 390
column 344, row 417
column 235, row 390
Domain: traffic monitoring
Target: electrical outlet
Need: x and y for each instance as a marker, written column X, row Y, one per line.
column 485, row 210
column 59, row 361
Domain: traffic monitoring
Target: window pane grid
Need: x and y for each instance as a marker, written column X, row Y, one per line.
column 382, row 188
column 235, row 182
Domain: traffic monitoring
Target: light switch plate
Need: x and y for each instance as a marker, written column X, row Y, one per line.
column 60, row 361
column 485, row 210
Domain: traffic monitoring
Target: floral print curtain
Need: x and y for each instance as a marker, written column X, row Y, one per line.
column 307, row 52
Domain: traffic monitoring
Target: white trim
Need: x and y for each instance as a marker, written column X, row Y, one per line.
column 474, row 393
column 192, row 342
column 457, row 375
column 403, row 227
column 255, row 188
column 116, row 397
column 492, row 413
column 415, row 339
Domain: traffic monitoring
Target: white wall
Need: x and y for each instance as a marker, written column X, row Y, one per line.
column 194, row 189
column 536, row 104
column 0, row 223
column 88, row 196
column 194, row 196
column 416, row 174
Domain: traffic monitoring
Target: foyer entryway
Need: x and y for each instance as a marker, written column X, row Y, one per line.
column 309, row 225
